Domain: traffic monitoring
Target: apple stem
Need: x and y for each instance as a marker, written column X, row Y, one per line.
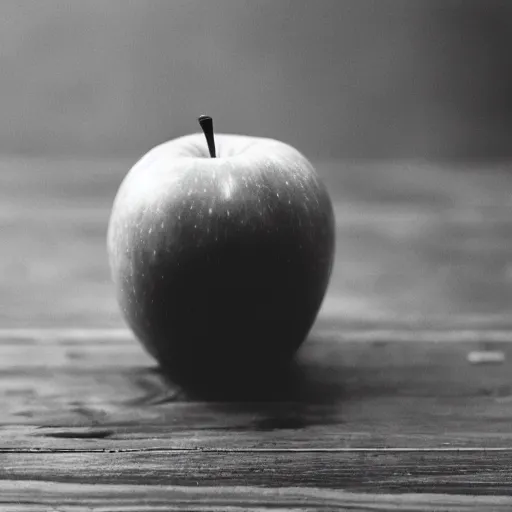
column 206, row 123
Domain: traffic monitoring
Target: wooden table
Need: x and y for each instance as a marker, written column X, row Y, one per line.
column 401, row 399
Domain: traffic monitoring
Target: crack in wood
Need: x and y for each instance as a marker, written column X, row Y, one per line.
column 462, row 449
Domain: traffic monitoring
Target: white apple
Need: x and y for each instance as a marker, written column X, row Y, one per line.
column 221, row 263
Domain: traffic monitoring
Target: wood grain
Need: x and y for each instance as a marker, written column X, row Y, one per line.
column 148, row 498
column 389, row 406
column 381, row 417
column 479, row 473
column 108, row 394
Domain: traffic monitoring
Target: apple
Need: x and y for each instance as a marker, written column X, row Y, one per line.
column 221, row 254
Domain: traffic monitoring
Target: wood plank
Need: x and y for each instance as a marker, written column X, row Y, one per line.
column 390, row 405
column 30, row 496
column 481, row 473
column 363, row 392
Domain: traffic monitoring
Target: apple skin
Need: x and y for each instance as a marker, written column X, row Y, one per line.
column 221, row 264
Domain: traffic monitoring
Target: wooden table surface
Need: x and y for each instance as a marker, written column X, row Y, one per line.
column 401, row 398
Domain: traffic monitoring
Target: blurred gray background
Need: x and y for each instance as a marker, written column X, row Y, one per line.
column 371, row 79
column 403, row 106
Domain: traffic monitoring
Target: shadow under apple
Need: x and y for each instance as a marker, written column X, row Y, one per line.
column 304, row 391
column 252, row 382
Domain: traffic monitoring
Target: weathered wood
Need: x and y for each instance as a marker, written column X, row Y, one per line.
column 107, row 394
column 30, row 496
column 480, row 473
column 390, row 405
